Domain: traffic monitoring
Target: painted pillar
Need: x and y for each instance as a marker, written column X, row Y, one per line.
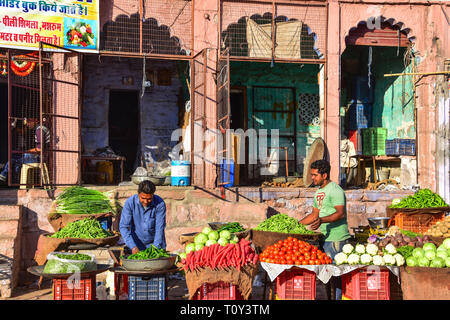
column 206, row 36
column 331, row 125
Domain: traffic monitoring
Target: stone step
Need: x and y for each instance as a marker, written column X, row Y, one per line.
column 10, row 212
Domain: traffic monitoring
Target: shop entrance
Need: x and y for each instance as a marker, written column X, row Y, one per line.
column 123, row 122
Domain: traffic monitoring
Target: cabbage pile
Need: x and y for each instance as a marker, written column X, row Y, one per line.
column 369, row 254
column 430, row 256
column 209, row 237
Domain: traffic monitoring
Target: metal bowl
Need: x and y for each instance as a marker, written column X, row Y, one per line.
column 158, row 181
column 150, row 264
column 380, row 222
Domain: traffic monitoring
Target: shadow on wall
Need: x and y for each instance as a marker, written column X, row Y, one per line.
column 30, row 237
column 122, row 34
column 235, row 36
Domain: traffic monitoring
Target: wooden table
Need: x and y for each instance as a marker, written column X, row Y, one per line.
column 116, row 158
column 374, row 159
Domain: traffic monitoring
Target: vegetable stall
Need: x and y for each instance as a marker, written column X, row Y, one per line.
column 221, row 260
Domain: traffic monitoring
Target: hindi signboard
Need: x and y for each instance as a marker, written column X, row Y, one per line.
column 72, row 24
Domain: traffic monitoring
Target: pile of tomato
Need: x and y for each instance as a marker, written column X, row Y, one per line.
column 294, row 251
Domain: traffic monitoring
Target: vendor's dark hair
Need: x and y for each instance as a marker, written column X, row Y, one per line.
column 323, row 166
column 147, row 187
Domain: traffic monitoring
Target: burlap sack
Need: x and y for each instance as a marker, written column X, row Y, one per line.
column 243, row 278
column 60, row 220
column 47, row 245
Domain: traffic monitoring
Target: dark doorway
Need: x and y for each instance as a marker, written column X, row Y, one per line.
column 124, row 126
column 3, row 124
column 238, row 108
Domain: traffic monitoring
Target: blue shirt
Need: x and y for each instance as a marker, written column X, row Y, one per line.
column 141, row 227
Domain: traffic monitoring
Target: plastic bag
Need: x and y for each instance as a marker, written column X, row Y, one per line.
column 56, row 264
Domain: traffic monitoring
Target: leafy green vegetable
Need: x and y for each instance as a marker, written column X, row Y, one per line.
column 232, row 227
column 284, row 224
column 410, row 233
column 424, row 198
column 82, row 229
column 77, row 256
column 152, row 252
column 405, row 251
column 80, row 200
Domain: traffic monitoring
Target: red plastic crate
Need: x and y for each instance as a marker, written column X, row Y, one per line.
column 84, row 289
column 366, row 284
column 296, row 284
column 218, row 291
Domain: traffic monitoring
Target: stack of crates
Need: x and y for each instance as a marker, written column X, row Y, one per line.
column 366, row 284
column 296, row 284
column 67, row 289
column 147, row 288
column 218, row 291
column 374, row 141
column 401, row 147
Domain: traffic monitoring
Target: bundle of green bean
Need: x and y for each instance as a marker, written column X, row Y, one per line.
column 424, row 198
column 80, row 200
column 82, row 229
column 284, row 224
column 151, row 252
column 232, row 227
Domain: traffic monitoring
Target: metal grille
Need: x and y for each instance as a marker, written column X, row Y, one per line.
column 60, row 111
column 23, row 115
column 199, row 90
column 43, row 112
column 165, row 28
column 277, row 30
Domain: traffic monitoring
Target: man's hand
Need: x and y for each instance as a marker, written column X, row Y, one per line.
column 134, row 250
column 316, row 224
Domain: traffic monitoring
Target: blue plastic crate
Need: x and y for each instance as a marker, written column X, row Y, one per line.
column 147, row 288
column 361, row 91
column 227, row 173
column 392, row 147
column 407, row 147
column 360, row 116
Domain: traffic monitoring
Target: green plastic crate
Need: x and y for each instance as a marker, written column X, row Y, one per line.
column 374, row 141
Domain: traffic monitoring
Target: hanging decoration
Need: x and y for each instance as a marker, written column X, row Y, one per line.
column 4, row 68
column 22, row 68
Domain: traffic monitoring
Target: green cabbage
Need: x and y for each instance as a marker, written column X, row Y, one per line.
column 222, row 241
column 206, row 230
column 429, row 246
column 447, row 262
column 225, row 234
column 446, row 243
column 411, row 261
column 418, row 253
column 201, row 238
column 190, row 247
column 437, row 263
column 423, row 262
column 213, row 235
column 430, row 254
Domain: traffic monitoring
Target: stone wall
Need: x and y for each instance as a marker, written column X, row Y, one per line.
column 189, row 209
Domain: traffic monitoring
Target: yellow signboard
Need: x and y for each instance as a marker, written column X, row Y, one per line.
column 72, row 24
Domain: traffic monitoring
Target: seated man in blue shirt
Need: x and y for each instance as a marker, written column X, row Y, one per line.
column 143, row 219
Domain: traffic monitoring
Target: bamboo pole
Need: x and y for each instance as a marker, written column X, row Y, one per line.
column 416, row 74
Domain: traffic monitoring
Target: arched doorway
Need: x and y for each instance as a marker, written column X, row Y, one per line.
column 371, row 97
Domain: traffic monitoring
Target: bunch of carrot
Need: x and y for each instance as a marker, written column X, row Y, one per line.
column 217, row 257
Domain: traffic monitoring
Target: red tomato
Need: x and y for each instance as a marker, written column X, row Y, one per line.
column 301, row 258
column 290, row 261
column 304, row 262
column 280, row 242
column 311, row 261
column 317, row 261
